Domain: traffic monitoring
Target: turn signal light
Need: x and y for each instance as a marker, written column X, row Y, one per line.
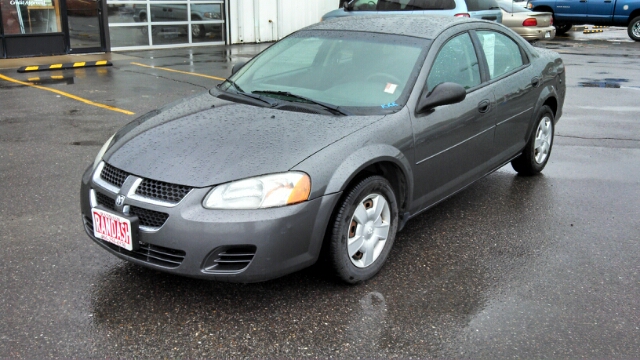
column 462, row 15
column 530, row 22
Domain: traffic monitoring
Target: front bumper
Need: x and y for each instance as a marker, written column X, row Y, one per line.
column 225, row 245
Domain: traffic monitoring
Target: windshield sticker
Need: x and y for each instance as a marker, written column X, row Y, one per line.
column 389, row 105
column 390, row 88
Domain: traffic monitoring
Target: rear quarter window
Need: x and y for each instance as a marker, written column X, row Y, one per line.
column 479, row 5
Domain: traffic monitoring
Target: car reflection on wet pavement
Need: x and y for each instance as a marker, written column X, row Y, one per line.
column 510, row 267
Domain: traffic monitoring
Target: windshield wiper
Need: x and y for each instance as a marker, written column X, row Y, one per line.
column 238, row 90
column 331, row 107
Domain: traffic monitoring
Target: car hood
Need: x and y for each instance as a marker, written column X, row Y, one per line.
column 203, row 141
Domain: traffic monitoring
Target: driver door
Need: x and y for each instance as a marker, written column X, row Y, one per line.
column 453, row 143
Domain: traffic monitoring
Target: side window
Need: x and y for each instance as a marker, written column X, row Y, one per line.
column 392, row 5
column 502, row 53
column 456, row 62
column 364, row 5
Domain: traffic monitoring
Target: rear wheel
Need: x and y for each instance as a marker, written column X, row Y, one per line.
column 197, row 30
column 562, row 28
column 536, row 153
column 363, row 230
column 634, row 29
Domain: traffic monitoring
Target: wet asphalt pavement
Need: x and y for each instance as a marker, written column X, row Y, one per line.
column 542, row 267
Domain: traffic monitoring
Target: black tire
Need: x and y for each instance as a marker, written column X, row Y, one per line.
column 562, row 28
column 344, row 226
column 531, row 161
column 634, row 28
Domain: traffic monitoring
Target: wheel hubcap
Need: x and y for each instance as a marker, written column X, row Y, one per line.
column 195, row 30
column 544, row 135
column 636, row 29
column 369, row 230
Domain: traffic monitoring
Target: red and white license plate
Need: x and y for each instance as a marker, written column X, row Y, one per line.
column 112, row 228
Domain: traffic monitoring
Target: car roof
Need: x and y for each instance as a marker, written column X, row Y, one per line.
column 423, row 26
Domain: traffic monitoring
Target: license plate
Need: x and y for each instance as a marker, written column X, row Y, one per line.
column 113, row 228
column 547, row 35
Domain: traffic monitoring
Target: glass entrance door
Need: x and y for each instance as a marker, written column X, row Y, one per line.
column 86, row 33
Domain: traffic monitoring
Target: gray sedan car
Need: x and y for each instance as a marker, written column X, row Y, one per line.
column 478, row 9
column 325, row 144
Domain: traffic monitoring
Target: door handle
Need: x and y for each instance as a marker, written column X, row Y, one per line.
column 484, row 106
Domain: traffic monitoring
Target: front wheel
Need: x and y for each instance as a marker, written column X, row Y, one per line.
column 634, row 29
column 562, row 28
column 363, row 230
column 536, row 153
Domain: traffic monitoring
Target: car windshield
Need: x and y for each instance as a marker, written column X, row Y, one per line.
column 364, row 72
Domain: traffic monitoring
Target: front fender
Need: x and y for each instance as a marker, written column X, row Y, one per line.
column 389, row 140
column 364, row 157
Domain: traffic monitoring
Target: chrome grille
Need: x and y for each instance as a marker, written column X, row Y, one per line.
column 149, row 218
column 153, row 254
column 113, row 176
column 162, row 191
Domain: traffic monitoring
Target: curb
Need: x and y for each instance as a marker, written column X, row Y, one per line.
column 75, row 65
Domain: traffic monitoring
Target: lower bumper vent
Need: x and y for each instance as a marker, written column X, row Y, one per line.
column 229, row 258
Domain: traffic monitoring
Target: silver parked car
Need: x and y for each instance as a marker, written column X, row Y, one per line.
column 325, row 144
column 478, row 9
column 531, row 25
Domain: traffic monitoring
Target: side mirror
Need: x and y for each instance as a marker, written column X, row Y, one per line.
column 443, row 94
column 237, row 67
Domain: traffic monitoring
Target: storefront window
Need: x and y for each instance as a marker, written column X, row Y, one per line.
column 30, row 16
column 165, row 23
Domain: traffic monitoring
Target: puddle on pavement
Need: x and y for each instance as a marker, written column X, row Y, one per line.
column 52, row 80
column 600, row 84
column 606, row 83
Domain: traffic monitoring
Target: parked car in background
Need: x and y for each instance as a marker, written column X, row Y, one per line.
column 531, row 25
column 566, row 13
column 326, row 143
column 477, row 9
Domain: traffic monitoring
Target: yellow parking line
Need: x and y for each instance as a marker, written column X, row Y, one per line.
column 89, row 102
column 178, row 71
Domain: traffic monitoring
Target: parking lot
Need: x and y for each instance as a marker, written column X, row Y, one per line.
column 535, row 267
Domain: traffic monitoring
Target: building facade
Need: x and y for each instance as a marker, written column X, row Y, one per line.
column 54, row 27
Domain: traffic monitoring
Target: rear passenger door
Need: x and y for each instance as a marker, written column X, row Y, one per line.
column 515, row 87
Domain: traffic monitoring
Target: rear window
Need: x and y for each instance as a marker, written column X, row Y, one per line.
column 403, row 5
column 432, row 4
column 479, row 5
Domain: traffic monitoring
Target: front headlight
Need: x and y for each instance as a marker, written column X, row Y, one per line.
column 260, row 192
column 103, row 149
